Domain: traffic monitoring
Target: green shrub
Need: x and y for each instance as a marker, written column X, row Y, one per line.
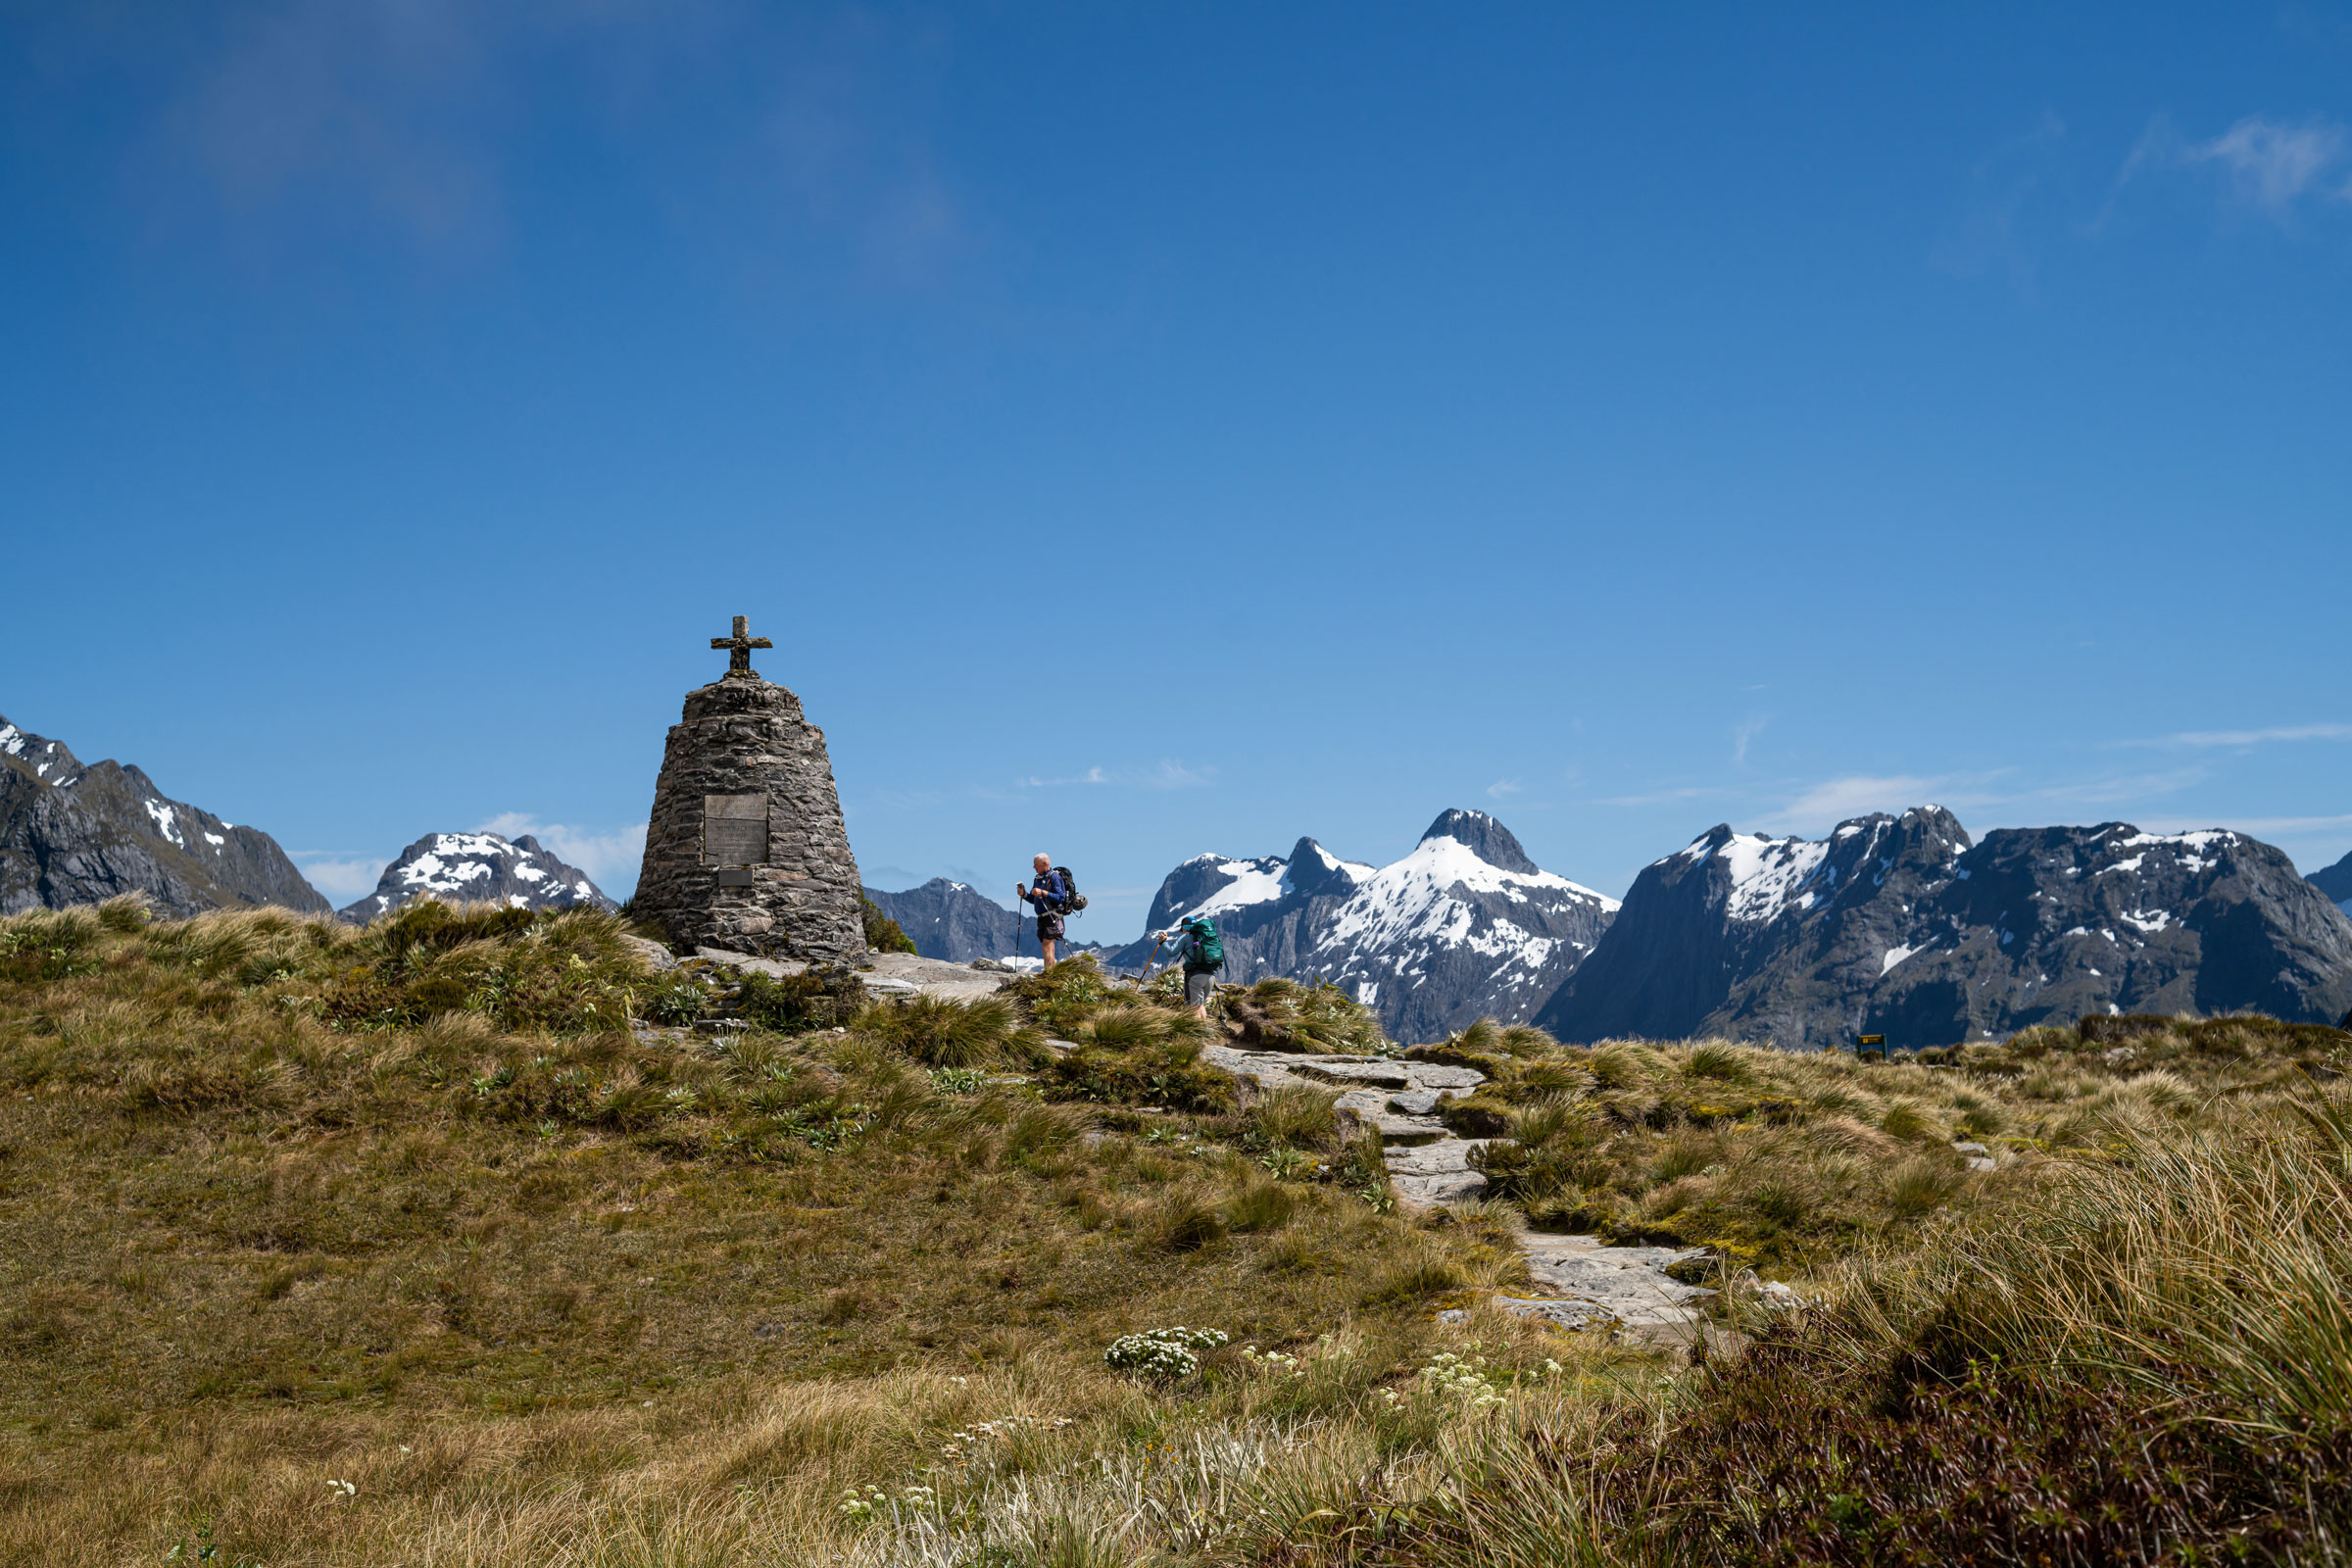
column 882, row 933
column 676, row 1005
column 795, row 1003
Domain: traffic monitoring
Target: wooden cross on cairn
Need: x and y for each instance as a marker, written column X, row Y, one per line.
column 739, row 650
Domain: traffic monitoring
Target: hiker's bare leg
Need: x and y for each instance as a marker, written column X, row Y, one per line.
column 1046, row 945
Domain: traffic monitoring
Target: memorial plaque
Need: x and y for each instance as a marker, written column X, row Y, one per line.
column 734, row 829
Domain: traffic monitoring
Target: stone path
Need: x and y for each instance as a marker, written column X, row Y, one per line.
column 1586, row 1283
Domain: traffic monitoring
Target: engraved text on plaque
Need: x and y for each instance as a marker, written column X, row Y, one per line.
column 734, row 829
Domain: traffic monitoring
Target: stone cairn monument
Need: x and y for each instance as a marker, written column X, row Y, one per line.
column 746, row 851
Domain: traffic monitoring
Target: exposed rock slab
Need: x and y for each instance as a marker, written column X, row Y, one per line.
column 893, row 974
column 1629, row 1282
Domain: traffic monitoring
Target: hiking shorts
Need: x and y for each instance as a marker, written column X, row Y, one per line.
column 1197, row 984
column 1048, row 927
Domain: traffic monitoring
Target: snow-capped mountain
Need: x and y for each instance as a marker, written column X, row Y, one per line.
column 1902, row 926
column 478, row 869
column 71, row 834
column 1466, row 927
column 2337, row 882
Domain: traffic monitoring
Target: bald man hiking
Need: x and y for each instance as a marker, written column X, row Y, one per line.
column 1053, row 893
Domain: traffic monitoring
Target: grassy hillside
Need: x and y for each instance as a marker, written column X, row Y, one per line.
column 456, row 1241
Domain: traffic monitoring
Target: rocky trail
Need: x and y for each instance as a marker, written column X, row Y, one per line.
column 1584, row 1281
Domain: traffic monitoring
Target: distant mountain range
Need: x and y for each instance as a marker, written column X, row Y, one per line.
column 1899, row 925
column 953, row 921
column 1466, row 927
column 71, row 834
column 1895, row 925
column 479, row 868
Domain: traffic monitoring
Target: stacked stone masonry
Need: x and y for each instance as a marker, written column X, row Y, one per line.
column 713, row 877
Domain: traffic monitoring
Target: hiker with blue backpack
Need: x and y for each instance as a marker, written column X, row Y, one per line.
column 1055, row 894
column 1201, row 951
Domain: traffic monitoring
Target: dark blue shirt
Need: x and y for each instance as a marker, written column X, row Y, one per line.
column 1048, row 892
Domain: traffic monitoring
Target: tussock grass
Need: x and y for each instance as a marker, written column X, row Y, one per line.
column 421, row 1211
column 279, row 1199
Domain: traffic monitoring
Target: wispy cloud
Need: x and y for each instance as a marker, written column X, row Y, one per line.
column 409, row 120
column 609, row 858
column 1692, row 792
column 1994, row 230
column 2273, row 165
column 342, row 875
column 1744, row 733
column 1822, row 806
column 2268, row 166
column 1165, row 775
column 2288, row 826
column 2250, row 737
column 1503, row 787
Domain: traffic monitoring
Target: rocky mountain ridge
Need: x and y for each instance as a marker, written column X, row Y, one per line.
column 71, row 834
column 479, row 868
column 1904, row 926
column 1466, row 926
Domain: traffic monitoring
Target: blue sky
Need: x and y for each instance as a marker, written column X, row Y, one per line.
column 1155, row 428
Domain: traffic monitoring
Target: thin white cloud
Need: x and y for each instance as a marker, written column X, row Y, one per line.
column 2252, row 737
column 1165, row 775
column 1503, row 787
column 609, row 858
column 339, row 874
column 1692, row 792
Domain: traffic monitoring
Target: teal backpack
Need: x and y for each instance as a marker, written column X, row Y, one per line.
column 1209, row 947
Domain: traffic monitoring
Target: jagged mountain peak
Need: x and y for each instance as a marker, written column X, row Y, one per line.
column 1463, row 926
column 1484, row 837
column 45, row 760
column 1311, row 870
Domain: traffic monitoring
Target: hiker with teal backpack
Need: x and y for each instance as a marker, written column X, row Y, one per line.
column 1201, row 951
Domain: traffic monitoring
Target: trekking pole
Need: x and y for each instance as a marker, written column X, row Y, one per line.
column 1148, row 963
column 1016, row 922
